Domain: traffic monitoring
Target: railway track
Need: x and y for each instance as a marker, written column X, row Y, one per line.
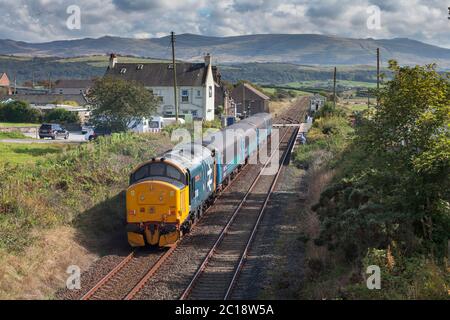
column 128, row 278
column 219, row 271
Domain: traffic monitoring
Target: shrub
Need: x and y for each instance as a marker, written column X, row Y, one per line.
column 19, row 111
column 62, row 116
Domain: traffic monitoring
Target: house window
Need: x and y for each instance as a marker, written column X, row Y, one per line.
column 199, row 93
column 185, row 96
column 194, row 113
column 210, row 91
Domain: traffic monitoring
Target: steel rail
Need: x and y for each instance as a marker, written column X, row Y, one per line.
column 107, row 277
column 200, row 270
column 260, row 215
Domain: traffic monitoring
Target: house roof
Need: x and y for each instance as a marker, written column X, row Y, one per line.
column 74, row 83
column 4, row 74
column 161, row 74
column 43, row 99
column 255, row 91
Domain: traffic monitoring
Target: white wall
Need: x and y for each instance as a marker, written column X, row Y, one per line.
column 209, row 96
column 195, row 103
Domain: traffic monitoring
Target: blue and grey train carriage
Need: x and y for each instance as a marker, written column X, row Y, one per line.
column 166, row 194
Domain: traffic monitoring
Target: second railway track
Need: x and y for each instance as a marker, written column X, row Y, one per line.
column 220, row 269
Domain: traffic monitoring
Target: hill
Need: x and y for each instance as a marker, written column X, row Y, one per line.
column 87, row 67
column 308, row 49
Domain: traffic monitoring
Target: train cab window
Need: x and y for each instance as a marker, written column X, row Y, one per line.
column 141, row 173
column 157, row 169
column 174, row 173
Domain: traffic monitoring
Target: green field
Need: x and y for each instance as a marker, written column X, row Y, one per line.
column 272, row 90
column 329, row 84
column 12, row 135
column 103, row 61
column 27, row 152
column 14, row 125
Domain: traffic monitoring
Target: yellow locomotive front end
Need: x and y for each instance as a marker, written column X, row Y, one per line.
column 157, row 204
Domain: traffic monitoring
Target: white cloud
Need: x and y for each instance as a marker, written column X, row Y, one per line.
column 45, row 20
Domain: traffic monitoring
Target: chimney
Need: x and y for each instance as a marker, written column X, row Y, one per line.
column 207, row 59
column 112, row 61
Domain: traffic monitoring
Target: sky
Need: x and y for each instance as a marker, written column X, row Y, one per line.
column 48, row 20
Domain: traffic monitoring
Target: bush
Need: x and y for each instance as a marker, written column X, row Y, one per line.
column 19, row 111
column 62, row 116
column 414, row 277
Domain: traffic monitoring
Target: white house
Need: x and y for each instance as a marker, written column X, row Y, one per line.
column 195, row 85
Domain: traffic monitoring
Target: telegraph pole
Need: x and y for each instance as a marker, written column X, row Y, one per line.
column 378, row 76
column 334, row 88
column 172, row 38
column 15, row 83
column 244, row 109
column 49, row 82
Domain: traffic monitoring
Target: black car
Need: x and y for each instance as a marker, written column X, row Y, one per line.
column 98, row 132
column 53, row 131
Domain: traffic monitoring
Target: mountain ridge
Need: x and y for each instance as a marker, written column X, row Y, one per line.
column 312, row 49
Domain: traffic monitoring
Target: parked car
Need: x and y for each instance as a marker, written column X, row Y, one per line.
column 86, row 128
column 94, row 133
column 51, row 130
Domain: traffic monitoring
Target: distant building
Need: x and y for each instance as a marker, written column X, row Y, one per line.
column 317, row 102
column 195, row 85
column 31, row 91
column 48, row 99
column 5, row 85
column 222, row 96
column 249, row 100
column 72, row 86
column 48, row 102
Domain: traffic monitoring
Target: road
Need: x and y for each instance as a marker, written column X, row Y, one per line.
column 74, row 137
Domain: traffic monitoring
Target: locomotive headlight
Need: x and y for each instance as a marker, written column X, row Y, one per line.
column 132, row 193
column 132, row 212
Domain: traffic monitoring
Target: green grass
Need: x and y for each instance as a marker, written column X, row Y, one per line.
column 12, row 135
column 45, row 186
column 15, row 125
column 21, row 153
column 272, row 90
column 329, row 84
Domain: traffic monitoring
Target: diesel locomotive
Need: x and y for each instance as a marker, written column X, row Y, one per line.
column 169, row 193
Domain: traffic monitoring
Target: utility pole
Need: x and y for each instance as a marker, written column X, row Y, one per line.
column 49, row 82
column 172, row 38
column 378, row 76
column 334, row 88
column 15, row 83
column 244, row 109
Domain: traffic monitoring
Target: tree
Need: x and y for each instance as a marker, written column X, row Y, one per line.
column 19, row 111
column 408, row 141
column 118, row 103
column 396, row 187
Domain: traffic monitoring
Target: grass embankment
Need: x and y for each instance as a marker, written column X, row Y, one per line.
column 13, row 135
column 60, row 209
column 15, row 125
column 16, row 153
column 343, row 224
